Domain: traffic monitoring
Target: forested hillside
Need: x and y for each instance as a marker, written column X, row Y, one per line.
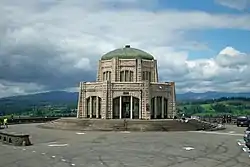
column 232, row 106
column 64, row 103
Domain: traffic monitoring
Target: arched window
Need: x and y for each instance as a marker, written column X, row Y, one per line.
column 106, row 76
column 126, row 76
column 146, row 76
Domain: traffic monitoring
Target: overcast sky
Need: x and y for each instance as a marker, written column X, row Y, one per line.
column 55, row 44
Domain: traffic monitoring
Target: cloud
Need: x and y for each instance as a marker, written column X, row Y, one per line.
column 48, row 45
column 235, row 4
column 228, row 71
column 13, row 88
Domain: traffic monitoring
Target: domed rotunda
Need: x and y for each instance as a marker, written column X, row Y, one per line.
column 127, row 87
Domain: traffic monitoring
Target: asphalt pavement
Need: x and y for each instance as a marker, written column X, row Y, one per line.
column 60, row 148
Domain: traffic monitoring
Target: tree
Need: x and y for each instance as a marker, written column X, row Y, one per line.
column 221, row 108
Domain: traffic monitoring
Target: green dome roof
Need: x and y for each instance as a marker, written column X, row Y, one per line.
column 127, row 53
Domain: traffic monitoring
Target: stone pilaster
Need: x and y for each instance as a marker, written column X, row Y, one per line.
column 118, row 76
column 162, row 107
column 120, row 107
column 104, row 100
column 174, row 99
column 131, row 107
column 155, row 71
column 139, row 70
column 155, row 107
column 97, row 107
column 81, row 101
column 140, row 105
column 114, row 69
column 146, row 102
column 99, row 72
column 91, row 107
column 170, row 108
column 79, row 106
column 84, row 100
column 109, row 100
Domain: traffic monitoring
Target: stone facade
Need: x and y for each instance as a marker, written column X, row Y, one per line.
column 127, row 88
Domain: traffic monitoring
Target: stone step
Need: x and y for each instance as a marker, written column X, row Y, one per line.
column 131, row 125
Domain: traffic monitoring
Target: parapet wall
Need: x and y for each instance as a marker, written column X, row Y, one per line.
column 14, row 139
column 127, row 125
column 31, row 120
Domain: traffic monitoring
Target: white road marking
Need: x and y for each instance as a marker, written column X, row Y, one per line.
column 53, row 156
column 63, row 160
column 125, row 132
column 244, row 149
column 217, row 133
column 188, row 148
column 43, row 153
column 73, row 164
column 231, row 132
column 80, row 133
column 24, row 149
column 33, row 151
column 58, row 145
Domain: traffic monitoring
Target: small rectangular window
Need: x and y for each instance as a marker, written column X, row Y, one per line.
column 146, row 75
column 109, row 77
column 122, row 76
column 131, row 76
column 143, row 76
column 103, row 76
column 126, row 76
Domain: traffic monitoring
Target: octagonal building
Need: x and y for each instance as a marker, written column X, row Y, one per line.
column 127, row 87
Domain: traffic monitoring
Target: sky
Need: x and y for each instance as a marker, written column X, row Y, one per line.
column 202, row 45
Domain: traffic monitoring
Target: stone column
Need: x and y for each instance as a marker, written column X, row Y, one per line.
column 90, row 107
column 79, row 106
column 162, row 107
column 120, row 107
column 131, row 107
column 140, row 107
column 155, row 107
column 97, row 107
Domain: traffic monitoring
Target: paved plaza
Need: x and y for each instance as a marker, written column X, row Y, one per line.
column 58, row 148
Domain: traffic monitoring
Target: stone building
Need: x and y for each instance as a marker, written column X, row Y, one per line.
column 127, row 86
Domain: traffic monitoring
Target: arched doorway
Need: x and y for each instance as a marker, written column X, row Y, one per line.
column 99, row 111
column 116, row 103
column 93, row 107
column 88, row 107
column 126, row 107
column 159, row 106
column 136, row 102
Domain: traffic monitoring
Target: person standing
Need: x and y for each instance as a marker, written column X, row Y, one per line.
column 1, row 122
column 5, row 122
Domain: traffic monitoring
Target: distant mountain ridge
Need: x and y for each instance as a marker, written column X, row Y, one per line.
column 65, row 97
column 53, row 96
column 210, row 95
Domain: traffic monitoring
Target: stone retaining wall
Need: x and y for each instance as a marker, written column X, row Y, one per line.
column 14, row 139
column 127, row 125
column 31, row 120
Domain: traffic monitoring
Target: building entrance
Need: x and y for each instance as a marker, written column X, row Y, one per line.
column 126, row 107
